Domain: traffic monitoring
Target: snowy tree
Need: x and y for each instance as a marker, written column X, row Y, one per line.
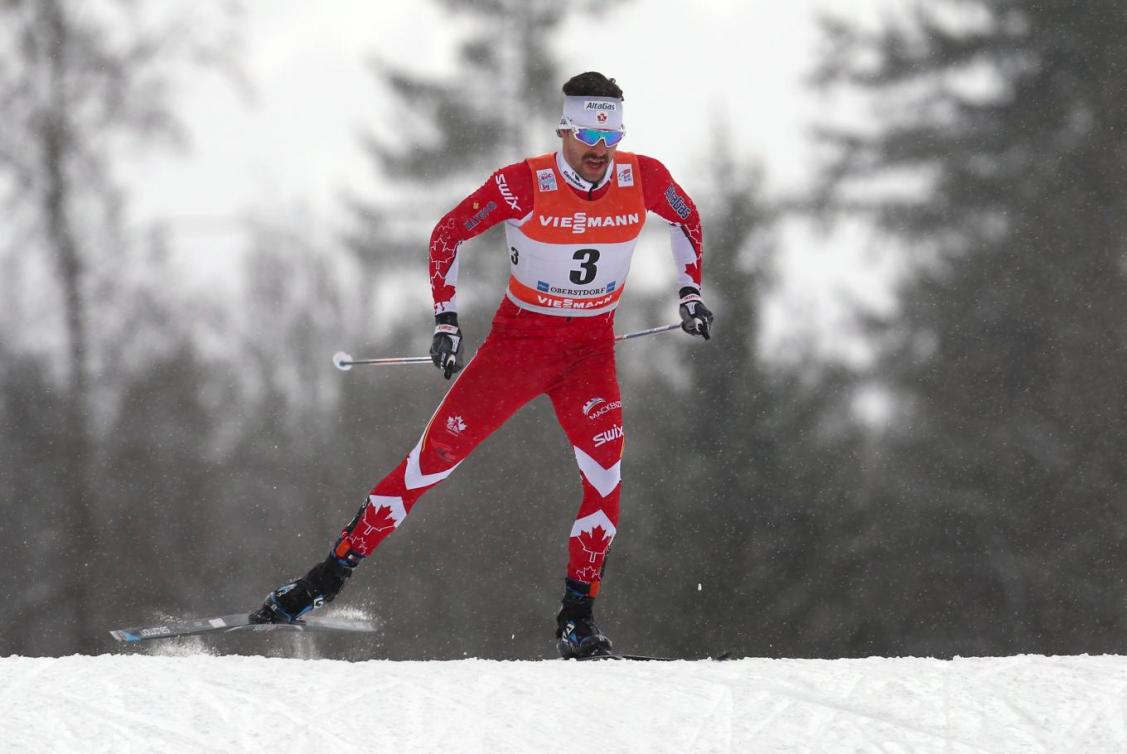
column 79, row 82
column 997, row 161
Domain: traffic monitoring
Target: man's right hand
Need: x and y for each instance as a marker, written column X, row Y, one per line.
column 446, row 348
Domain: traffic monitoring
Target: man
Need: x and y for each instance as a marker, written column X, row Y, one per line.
column 572, row 219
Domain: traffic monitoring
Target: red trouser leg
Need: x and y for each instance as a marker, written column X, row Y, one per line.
column 524, row 356
column 499, row 379
column 589, row 408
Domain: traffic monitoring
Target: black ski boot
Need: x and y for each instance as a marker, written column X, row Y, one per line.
column 575, row 626
column 289, row 602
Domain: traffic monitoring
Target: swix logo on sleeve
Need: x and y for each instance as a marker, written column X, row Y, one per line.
column 506, row 192
column 610, row 435
column 579, row 222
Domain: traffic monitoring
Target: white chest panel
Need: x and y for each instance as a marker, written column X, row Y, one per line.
column 572, row 279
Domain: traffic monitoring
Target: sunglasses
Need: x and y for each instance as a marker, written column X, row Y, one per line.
column 592, row 136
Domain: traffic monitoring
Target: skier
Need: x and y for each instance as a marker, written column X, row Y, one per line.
column 572, row 219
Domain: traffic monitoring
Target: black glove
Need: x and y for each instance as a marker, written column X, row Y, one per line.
column 446, row 348
column 696, row 319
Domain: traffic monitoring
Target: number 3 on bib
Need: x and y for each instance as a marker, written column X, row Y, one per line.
column 587, row 269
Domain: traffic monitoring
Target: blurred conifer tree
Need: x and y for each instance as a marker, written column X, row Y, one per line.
column 79, row 82
column 1001, row 495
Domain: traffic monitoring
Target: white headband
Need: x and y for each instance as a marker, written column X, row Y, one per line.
column 592, row 112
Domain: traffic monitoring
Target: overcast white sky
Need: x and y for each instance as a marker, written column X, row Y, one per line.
column 682, row 65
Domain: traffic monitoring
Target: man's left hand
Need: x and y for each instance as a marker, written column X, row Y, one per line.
column 696, row 318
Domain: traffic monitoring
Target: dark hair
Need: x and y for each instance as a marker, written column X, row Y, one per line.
column 592, row 84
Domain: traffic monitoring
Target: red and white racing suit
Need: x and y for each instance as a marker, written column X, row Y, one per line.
column 570, row 245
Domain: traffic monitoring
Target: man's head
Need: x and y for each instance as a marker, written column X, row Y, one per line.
column 591, row 126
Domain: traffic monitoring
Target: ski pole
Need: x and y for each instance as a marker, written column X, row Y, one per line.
column 651, row 331
column 345, row 362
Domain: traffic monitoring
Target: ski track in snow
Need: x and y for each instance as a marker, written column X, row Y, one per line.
column 206, row 703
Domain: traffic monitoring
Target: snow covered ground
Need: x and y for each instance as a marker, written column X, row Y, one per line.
column 207, row 703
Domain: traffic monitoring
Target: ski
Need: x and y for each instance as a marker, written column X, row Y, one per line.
column 620, row 656
column 236, row 622
column 648, row 658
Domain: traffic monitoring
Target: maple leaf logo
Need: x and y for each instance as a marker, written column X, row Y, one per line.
column 455, row 424
column 377, row 519
column 595, row 542
column 587, row 574
column 601, row 117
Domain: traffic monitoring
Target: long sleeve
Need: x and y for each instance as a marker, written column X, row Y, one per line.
column 669, row 201
column 506, row 195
